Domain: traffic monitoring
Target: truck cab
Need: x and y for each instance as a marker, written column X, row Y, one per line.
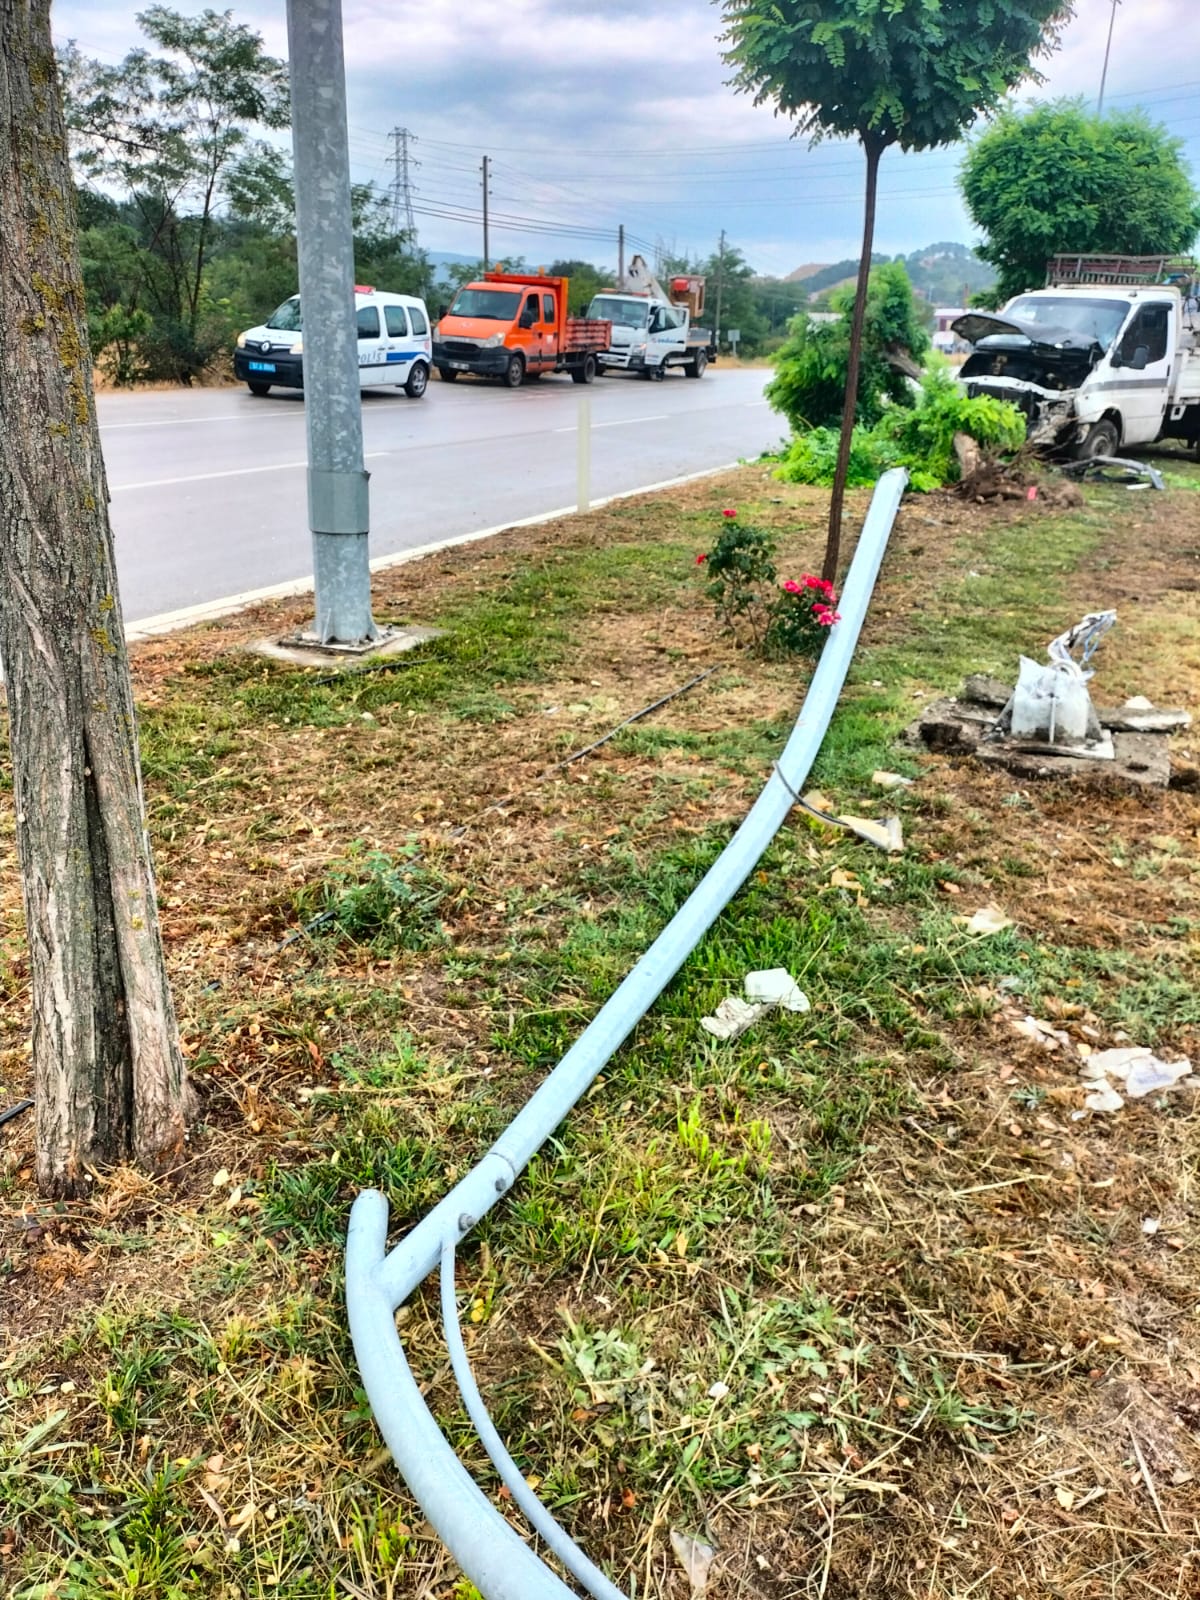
column 512, row 326
column 651, row 330
column 394, row 344
column 1094, row 366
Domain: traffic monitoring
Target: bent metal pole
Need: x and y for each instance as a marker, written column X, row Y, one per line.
column 491, row 1552
column 338, row 512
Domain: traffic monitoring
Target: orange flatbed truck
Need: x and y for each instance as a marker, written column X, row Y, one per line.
column 514, row 325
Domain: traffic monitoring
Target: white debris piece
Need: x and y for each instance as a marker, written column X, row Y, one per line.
column 1104, row 1098
column 887, row 833
column 1114, row 1063
column 776, row 987
column 891, row 780
column 696, row 1559
column 732, row 1017
column 987, row 920
column 1151, row 1074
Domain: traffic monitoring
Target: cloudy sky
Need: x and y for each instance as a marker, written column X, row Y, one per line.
column 617, row 112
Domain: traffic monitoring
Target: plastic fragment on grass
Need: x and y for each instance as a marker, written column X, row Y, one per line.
column 696, row 1559
column 764, row 990
column 887, row 834
column 1138, row 1071
column 776, row 987
column 1043, row 1034
column 732, row 1017
column 987, row 920
column 1150, row 1075
column 891, row 780
column 1104, row 1098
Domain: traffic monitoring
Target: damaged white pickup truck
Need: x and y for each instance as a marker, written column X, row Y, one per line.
column 1107, row 356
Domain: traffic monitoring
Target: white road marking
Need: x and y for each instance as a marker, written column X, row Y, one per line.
column 209, row 610
column 231, row 472
column 191, row 422
column 621, row 422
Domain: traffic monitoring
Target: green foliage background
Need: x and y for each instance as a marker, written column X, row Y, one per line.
column 1056, row 178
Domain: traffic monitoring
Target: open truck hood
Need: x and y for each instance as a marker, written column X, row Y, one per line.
column 977, row 325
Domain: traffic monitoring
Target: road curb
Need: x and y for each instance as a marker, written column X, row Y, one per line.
column 213, row 610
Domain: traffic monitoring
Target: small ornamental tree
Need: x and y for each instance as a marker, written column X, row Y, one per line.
column 1057, row 179
column 913, row 73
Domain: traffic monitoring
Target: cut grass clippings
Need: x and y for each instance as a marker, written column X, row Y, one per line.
column 854, row 1298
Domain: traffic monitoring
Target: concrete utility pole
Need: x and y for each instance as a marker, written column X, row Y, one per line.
column 487, row 260
column 402, row 186
column 338, row 511
column 621, row 256
column 720, row 286
column 1107, row 49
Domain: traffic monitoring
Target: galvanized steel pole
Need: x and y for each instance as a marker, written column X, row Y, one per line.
column 338, row 512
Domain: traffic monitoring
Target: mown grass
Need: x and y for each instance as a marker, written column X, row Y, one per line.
column 658, row 1339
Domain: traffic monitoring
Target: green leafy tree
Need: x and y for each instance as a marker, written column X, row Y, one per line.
column 586, row 280
column 913, row 73
column 1056, row 178
column 811, row 370
column 776, row 302
column 168, row 131
column 729, row 283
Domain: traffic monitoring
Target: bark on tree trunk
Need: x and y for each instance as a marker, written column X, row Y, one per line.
column 110, row 1082
column 829, row 568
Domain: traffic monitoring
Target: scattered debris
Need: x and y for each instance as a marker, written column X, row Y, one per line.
column 1138, row 1071
column 732, row 1017
column 696, row 1559
column 887, row 834
column 1104, row 1098
column 1150, row 1226
column 1050, row 705
column 891, row 780
column 987, row 920
column 1115, row 469
column 775, row 986
column 1140, row 750
column 764, row 990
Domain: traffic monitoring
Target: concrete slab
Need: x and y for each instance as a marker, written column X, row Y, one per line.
column 298, row 650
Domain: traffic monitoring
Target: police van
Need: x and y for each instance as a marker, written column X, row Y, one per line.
column 394, row 345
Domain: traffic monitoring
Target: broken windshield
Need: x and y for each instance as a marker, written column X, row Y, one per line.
column 1066, row 319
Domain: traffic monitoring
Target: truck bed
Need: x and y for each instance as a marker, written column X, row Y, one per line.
column 582, row 334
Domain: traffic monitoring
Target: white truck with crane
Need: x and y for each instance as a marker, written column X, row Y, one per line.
column 1107, row 355
column 653, row 330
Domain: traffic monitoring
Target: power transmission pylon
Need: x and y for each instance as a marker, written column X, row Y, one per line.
column 402, row 184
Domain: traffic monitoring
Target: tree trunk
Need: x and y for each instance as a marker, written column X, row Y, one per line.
column 110, row 1083
column 833, row 543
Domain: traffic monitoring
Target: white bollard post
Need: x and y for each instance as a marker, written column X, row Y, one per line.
column 583, row 455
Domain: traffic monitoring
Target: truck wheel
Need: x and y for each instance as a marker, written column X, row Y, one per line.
column 259, row 389
column 514, row 373
column 448, row 374
column 586, row 372
column 1103, row 439
column 418, row 380
column 696, row 368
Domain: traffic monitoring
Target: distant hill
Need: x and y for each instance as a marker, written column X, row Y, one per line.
column 944, row 273
column 802, row 274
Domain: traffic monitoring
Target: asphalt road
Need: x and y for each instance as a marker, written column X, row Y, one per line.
column 208, row 486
